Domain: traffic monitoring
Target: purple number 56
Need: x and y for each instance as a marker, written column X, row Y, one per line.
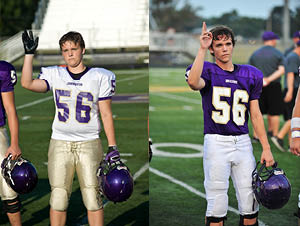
column 82, row 111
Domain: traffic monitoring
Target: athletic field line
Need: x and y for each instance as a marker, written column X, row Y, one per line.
column 191, row 189
column 132, row 78
column 34, row 102
column 177, row 97
column 188, row 100
column 51, row 97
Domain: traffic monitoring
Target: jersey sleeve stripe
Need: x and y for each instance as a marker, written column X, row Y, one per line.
column 48, row 86
column 104, row 98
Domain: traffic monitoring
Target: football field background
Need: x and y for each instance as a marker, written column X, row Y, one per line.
column 177, row 195
column 130, row 111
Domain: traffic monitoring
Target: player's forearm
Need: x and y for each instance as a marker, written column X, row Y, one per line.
column 27, row 82
column 194, row 80
column 107, row 120
column 13, row 125
column 258, row 126
column 26, row 78
column 276, row 74
column 109, row 129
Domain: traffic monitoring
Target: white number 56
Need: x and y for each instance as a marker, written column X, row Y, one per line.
column 238, row 109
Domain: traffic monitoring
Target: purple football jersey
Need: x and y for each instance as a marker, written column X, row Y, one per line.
column 8, row 79
column 226, row 97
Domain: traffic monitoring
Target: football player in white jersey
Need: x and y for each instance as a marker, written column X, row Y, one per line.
column 79, row 93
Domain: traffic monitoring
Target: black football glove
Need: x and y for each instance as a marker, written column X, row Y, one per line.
column 30, row 44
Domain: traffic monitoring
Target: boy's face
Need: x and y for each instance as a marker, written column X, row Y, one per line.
column 72, row 53
column 222, row 49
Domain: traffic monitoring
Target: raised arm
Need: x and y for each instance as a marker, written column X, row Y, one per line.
column 30, row 45
column 194, row 80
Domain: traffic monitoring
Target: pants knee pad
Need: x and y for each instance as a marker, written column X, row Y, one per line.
column 12, row 205
column 248, row 216
column 91, row 198
column 215, row 220
column 218, row 205
column 59, row 199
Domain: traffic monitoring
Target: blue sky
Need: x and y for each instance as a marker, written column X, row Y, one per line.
column 251, row 8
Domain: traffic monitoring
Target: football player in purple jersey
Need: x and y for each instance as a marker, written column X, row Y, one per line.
column 80, row 94
column 10, row 199
column 229, row 93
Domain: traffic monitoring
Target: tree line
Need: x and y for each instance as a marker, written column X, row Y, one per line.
column 16, row 15
column 187, row 18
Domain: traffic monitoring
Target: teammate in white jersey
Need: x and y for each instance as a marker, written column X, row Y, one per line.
column 80, row 93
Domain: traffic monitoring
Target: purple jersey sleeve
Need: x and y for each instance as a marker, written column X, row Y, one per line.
column 257, row 85
column 187, row 72
column 8, row 80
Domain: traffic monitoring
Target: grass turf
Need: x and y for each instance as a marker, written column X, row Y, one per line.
column 176, row 116
column 131, row 133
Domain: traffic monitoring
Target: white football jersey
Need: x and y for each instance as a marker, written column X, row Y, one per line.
column 76, row 101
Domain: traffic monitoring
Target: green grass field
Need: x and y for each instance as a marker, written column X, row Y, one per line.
column 131, row 133
column 177, row 195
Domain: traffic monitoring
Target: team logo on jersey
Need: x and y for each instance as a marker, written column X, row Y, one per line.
column 231, row 81
column 74, row 84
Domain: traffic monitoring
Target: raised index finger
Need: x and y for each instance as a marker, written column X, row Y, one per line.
column 204, row 28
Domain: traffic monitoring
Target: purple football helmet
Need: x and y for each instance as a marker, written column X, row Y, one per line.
column 19, row 174
column 115, row 181
column 271, row 187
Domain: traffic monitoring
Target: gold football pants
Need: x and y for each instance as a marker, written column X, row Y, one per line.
column 66, row 157
column 6, row 192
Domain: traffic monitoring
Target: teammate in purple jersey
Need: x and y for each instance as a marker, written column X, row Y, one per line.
column 229, row 93
column 10, row 199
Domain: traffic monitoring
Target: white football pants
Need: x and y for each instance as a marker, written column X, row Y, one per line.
column 226, row 156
